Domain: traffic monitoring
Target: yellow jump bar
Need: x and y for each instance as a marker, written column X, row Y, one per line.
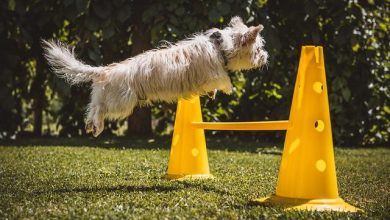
column 243, row 126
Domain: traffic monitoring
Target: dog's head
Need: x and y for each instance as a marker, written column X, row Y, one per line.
column 243, row 46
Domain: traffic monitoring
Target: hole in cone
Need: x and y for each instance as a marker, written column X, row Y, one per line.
column 321, row 165
column 319, row 125
column 194, row 152
column 318, row 87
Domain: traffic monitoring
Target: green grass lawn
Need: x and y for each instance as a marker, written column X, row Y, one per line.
column 102, row 179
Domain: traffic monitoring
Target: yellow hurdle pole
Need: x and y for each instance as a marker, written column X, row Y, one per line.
column 243, row 126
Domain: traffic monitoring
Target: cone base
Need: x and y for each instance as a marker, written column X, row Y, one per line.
column 338, row 204
column 181, row 177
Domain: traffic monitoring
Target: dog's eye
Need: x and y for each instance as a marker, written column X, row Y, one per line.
column 216, row 35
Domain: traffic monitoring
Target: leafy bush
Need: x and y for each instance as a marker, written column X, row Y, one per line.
column 353, row 33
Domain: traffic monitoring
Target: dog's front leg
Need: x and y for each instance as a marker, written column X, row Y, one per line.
column 227, row 87
column 212, row 94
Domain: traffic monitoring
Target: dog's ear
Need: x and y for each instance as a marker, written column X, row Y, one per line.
column 236, row 22
column 217, row 36
column 250, row 36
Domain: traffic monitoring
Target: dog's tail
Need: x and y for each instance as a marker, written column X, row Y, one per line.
column 64, row 63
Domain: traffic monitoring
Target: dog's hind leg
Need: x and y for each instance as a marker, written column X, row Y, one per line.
column 89, row 118
column 98, row 119
column 96, row 112
column 95, row 119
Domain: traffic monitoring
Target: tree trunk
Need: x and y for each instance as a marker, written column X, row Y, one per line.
column 140, row 122
column 38, row 95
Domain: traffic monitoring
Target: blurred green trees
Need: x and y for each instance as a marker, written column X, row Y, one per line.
column 354, row 35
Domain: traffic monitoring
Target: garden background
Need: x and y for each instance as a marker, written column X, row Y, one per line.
column 354, row 34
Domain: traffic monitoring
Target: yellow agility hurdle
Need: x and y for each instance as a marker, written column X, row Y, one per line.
column 307, row 176
column 243, row 126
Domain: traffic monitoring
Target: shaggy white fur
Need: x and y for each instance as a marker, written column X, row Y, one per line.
column 194, row 66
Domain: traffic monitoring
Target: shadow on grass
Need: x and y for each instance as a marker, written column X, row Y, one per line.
column 123, row 188
column 213, row 143
column 176, row 186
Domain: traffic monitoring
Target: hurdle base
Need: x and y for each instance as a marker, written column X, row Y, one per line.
column 183, row 177
column 338, row 204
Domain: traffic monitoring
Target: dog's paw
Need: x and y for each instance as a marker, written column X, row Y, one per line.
column 212, row 94
column 89, row 127
column 97, row 130
column 228, row 91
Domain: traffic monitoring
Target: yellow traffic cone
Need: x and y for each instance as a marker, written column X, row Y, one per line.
column 307, row 177
column 188, row 157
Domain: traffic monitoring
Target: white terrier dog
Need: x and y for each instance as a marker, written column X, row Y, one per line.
column 195, row 66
